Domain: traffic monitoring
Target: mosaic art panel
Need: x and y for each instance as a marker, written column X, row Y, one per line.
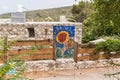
column 64, row 41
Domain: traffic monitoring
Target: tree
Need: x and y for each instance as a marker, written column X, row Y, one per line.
column 107, row 17
column 104, row 21
column 88, row 32
column 81, row 11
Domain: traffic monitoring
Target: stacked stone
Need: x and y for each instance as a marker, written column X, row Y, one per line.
column 43, row 30
column 66, row 64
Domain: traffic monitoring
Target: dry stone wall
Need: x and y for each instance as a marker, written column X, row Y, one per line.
column 20, row 31
column 66, row 64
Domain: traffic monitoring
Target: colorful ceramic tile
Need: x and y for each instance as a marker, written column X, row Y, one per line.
column 64, row 41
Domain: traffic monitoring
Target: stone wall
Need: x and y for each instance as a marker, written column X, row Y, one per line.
column 20, row 31
column 65, row 64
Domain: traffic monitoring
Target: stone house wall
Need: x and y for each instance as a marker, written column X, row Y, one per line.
column 19, row 31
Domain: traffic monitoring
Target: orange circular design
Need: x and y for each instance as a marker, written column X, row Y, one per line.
column 62, row 37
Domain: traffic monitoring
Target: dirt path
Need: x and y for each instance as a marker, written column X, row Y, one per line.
column 81, row 74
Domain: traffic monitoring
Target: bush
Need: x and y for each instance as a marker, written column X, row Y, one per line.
column 110, row 45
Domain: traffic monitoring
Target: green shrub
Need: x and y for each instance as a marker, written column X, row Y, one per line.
column 110, row 45
column 87, row 37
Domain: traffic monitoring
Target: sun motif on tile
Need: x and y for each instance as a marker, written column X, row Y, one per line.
column 62, row 37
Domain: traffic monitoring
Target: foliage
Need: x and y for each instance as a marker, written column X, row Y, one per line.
column 108, row 46
column 12, row 63
column 107, row 16
column 88, row 30
column 5, row 68
column 81, row 11
column 104, row 21
column 88, row 22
